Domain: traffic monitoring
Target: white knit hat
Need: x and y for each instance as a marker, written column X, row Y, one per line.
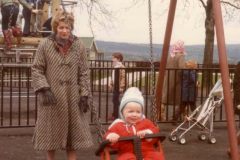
column 132, row 94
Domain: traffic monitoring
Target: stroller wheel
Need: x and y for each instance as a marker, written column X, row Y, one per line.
column 173, row 138
column 212, row 140
column 202, row 137
column 182, row 141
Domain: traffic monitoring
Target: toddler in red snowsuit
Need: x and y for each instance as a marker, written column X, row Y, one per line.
column 133, row 122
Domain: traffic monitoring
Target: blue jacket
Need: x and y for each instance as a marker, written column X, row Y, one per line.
column 189, row 79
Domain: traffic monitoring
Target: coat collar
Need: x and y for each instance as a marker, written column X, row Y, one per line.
column 60, row 46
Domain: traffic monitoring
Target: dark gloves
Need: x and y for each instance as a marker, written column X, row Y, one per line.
column 47, row 98
column 83, row 104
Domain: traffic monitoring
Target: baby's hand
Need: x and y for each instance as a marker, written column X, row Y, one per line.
column 142, row 133
column 113, row 137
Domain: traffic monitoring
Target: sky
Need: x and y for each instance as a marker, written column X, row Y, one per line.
column 130, row 23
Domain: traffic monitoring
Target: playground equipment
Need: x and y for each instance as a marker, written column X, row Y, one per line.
column 217, row 12
column 26, row 46
column 200, row 116
column 30, row 41
column 104, row 151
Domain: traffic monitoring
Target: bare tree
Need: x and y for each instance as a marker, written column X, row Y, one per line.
column 230, row 9
column 100, row 13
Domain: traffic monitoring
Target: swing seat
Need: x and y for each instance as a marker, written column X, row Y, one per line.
column 105, row 151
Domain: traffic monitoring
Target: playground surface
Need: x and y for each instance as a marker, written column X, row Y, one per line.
column 16, row 144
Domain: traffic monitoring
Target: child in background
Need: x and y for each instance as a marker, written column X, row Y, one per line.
column 188, row 90
column 117, row 83
column 133, row 122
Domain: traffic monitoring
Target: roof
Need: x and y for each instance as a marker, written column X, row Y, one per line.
column 87, row 41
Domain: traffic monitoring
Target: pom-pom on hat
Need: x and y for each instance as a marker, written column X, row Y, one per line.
column 132, row 94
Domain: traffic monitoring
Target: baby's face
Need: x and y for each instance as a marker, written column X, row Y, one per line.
column 132, row 112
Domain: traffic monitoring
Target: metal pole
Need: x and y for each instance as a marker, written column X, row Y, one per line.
column 225, row 79
column 163, row 61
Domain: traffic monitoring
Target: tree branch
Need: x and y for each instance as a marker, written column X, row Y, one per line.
column 204, row 5
column 230, row 4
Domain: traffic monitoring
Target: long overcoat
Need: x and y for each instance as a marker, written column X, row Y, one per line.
column 172, row 80
column 64, row 125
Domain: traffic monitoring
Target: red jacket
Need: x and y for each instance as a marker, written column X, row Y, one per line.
column 122, row 129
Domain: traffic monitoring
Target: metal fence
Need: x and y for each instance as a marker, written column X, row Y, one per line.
column 18, row 102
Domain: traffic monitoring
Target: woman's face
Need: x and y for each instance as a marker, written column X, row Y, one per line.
column 63, row 30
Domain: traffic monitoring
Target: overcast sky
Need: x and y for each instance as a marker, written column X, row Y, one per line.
column 130, row 23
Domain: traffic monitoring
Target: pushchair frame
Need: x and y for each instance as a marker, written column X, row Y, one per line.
column 200, row 116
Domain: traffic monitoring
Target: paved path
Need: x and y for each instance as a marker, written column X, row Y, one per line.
column 131, row 78
column 15, row 144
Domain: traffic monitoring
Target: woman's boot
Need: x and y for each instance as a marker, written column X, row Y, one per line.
column 17, row 32
column 7, row 38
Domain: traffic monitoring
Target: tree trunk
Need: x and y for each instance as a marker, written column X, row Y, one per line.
column 209, row 45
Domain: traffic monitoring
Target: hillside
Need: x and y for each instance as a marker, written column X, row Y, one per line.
column 139, row 52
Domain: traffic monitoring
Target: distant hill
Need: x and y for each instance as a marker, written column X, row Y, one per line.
column 139, row 52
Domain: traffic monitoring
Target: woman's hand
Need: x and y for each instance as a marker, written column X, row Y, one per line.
column 113, row 137
column 35, row 11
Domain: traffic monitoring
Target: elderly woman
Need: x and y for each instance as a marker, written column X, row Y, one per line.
column 61, row 78
column 172, row 79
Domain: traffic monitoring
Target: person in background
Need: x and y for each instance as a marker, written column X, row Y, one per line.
column 27, row 14
column 61, row 78
column 10, row 10
column 117, row 83
column 188, row 90
column 133, row 122
column 172, row 79
column 47, row 27
column 236, row 100
column 236, row 90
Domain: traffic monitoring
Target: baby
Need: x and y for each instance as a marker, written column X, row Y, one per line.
column 133, row 122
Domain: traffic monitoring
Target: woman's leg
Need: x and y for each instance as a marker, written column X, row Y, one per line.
column 179, row 111
column 6, row 12
column 14, row 15
column 50, row 155
column 238, row 137
column 71, row 154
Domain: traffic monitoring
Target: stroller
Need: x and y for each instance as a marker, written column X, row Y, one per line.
column 200, row 116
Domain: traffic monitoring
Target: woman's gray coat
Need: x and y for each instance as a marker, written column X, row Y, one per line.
column 64, row 125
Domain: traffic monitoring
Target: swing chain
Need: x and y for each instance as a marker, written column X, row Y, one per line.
column 154, row 116
column 96, row 120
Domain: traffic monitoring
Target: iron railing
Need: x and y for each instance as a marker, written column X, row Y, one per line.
column 18, row 102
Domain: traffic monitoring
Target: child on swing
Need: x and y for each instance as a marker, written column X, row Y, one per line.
column 133, row 122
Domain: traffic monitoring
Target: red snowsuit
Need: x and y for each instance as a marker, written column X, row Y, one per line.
column 126, row 149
